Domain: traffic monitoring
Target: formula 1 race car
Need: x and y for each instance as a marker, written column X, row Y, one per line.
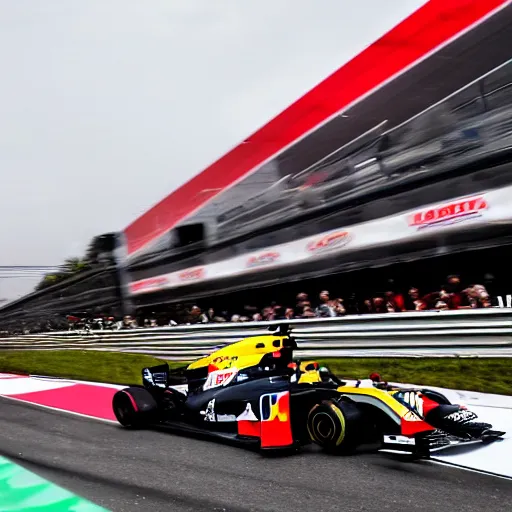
column 253, row 392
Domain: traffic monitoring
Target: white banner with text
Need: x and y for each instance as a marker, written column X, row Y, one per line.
column 487, row 208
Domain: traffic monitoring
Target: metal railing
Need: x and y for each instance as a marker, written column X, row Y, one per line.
column 432, row 333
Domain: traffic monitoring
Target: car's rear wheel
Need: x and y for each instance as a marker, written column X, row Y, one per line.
column 134, row 407
column 335, row 426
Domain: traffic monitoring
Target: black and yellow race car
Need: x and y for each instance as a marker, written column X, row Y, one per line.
column 253, row 392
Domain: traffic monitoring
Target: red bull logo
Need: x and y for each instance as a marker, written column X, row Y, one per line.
column 275, row 406
column 450, row 213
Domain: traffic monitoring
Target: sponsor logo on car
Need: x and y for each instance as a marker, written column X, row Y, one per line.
column 266, row 258
column 146, row 284
column 209, row 414
column 220, row 378
column 193, row 274
column 400, row 440
column 449, row 213
column 226, row 417
column 329, row 242
column 461, row 416
column 224, row 361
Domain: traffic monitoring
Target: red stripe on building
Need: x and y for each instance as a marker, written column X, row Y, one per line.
column 421, row 33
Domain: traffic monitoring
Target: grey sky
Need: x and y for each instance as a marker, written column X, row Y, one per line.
column 108, row 105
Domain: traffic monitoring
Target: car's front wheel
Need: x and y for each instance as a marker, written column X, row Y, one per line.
column 335, row 426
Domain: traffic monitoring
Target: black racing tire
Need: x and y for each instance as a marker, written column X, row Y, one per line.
column 335, row 426
column 134, row 407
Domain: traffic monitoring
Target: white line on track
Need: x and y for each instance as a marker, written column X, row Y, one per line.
column 465, row 468
column 88, row 382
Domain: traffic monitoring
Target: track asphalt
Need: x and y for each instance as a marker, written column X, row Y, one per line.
column 129, row 471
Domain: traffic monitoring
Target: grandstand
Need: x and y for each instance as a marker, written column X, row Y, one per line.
column 427, row 141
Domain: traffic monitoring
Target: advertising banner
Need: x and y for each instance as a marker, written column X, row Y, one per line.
column 469, row 212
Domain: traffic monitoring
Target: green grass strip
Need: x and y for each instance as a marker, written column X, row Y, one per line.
column 110, row 367
column 487, row 375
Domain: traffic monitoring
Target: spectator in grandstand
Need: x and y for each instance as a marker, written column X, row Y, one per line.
column 325, row 308
column 268, row 314
column 394, row 302
column 413, row 301
column 257, row 317
column 128, row 323
column 478, row 297
column 375, row 305
column 212, row 317
column 308, row 312
column 438, row 298
column 453, row 284
column 197, row 316
column 337, row 306
column 151, row 321
column 289, row 314
column 379, row 305
column 452, row 294
column 277, row 309
column 301, row 301
column 442, row 305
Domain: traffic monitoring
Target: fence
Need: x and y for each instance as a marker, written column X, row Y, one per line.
column 440, row 333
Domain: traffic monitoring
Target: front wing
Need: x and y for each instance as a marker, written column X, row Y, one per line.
column 433, row 442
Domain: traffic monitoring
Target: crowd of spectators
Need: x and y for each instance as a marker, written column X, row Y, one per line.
column 452, row 295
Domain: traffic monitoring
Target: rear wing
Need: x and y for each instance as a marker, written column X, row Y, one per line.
column 162, row 376
column 156, row 376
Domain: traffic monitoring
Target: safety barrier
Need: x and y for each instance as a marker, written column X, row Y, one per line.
column 434, row 333
column 22, row 490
